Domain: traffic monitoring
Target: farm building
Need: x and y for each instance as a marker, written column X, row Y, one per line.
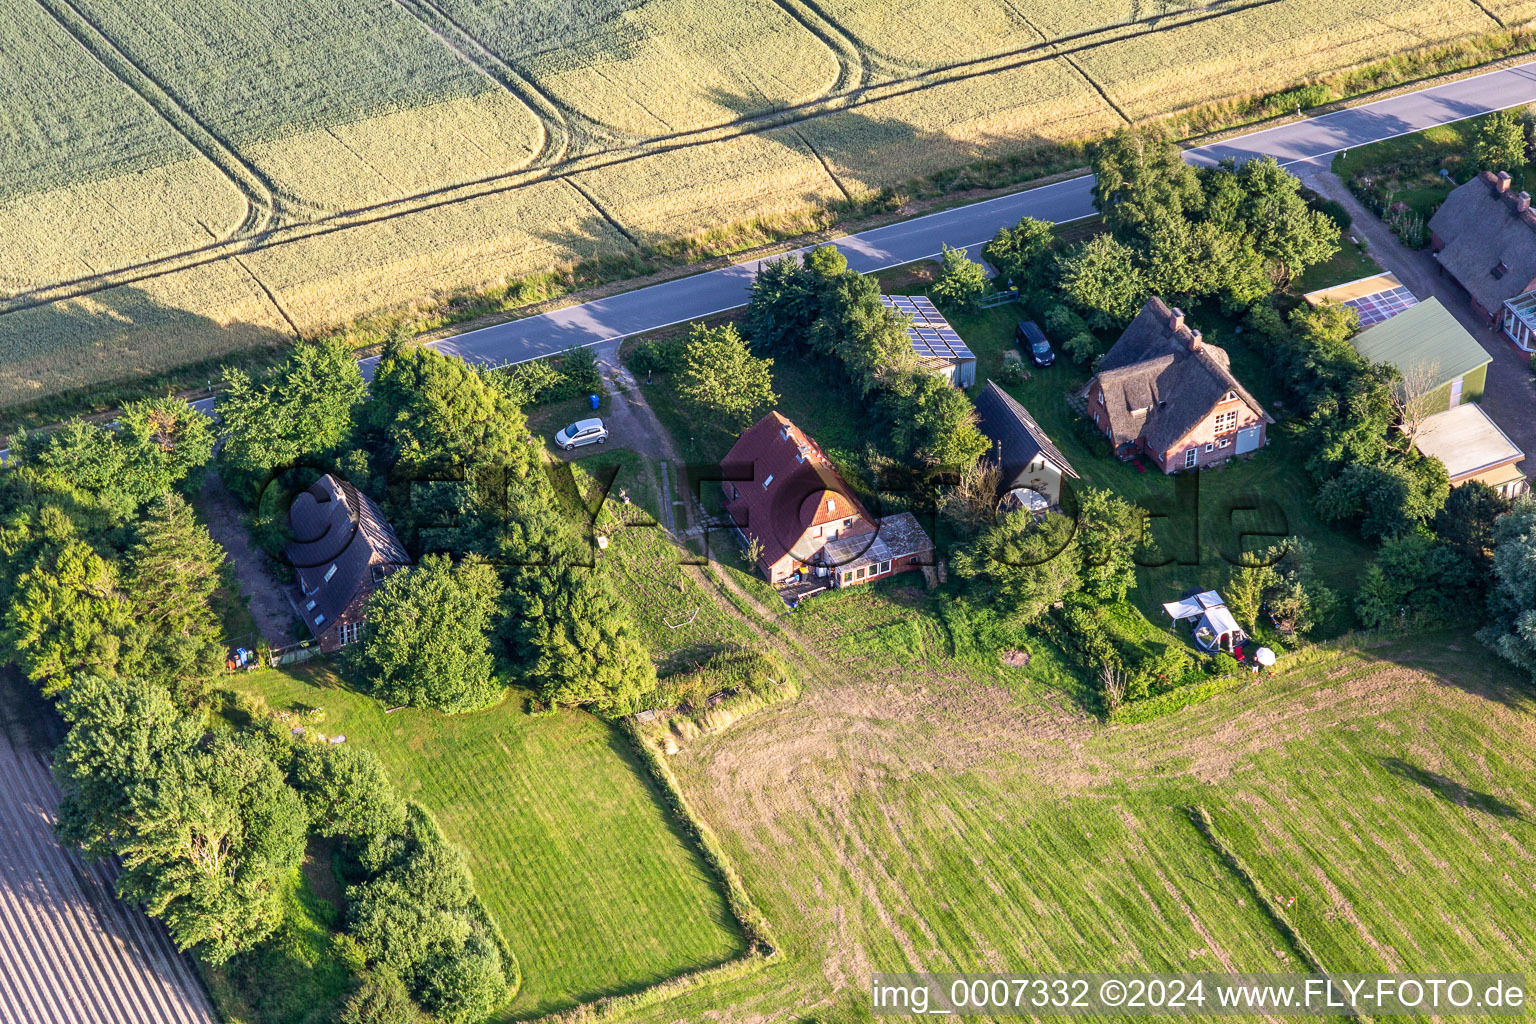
column 938, row 346
column 1163, row 392
column 1473, row 448
column 343, row 548
column 781, row 491
column 1031, row 466
column 1485, row 238
column 1427, row 340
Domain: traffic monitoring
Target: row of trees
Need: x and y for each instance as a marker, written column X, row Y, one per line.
column 210, row 827
column 818, row 308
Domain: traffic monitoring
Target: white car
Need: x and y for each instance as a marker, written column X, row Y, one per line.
column 582, row 432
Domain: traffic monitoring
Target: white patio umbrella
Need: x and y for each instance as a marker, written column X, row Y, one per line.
column 1264, row 656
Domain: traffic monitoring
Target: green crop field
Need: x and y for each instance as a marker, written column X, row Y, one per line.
column 255, row 171
column 597, row 891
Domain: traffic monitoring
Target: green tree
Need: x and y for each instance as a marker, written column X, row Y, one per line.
column 1138, row 176
column 961, row 282
column 1499, row 144
column 1387, row 499
column 157, row 445
column 1022, row 253
column 721, row 376
column 427, row 638
column 574, row 639
column 933, row 422
column 67, row 615
column 1110, row 529
column 380, row 998
column 1415, row 579
column 1467, row 521
column 208, row 833
column 1280, row 226
column 301, row 409
column 419, row 919
column 1102, row 277
column 345, row 790
column 787, row 298
column 1247, row 587
column 1026, row 566
column 173, row 571
column 435, row 413
column 1512, row 605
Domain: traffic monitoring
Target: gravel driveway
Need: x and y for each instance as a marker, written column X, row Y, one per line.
column 1509, row 396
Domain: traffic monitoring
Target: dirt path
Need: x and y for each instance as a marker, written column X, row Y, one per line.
column 262, row 591
column 1509, row 396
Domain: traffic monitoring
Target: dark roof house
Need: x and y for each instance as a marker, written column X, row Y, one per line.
column 1485, row 237
column 342, row 549
column 1024, row 453
column 1162, row 389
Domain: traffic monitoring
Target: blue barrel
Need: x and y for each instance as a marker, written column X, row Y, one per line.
column 594, row 401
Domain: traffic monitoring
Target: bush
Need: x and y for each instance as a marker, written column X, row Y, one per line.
column 661, row 355
column 572, row 374
column 1334, row 211
column 1221, row 664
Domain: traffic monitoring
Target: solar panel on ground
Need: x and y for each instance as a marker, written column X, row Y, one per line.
column 1383, row 305
column 932, row 337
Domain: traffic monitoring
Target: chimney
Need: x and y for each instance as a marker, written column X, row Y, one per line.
column 1194, row 341
column 1501, row 181
column 1522, row 202
column 1175, row 319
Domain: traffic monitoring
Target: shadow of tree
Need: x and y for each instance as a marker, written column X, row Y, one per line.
column 98, row 350
column 1451, row 790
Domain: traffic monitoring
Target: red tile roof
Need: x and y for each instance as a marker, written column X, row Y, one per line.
column 785, row 484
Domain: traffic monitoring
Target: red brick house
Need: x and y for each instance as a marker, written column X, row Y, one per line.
column 1485, row 237
column 781, row 490
column 343, row 549
column 1162, row 392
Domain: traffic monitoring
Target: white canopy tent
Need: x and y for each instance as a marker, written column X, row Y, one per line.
column 1215, row 628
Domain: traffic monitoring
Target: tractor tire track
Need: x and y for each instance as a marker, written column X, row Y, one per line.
column 500, row 184
column 260, row 195
column 70, row 951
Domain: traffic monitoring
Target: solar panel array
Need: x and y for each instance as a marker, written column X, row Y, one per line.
column 1384, row 305
column 932, row 337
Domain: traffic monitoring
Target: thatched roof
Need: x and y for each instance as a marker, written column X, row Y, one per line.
column 1489, row 239
column 1161, row 379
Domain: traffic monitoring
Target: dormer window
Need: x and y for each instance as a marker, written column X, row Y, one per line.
column 1231, row 396
column 831, row 505
column 1499, row 270
column 768, row 481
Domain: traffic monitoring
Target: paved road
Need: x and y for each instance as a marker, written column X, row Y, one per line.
column 670, row 302
column 71, row 952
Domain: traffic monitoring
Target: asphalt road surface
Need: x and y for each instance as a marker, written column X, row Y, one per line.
column 690, row 298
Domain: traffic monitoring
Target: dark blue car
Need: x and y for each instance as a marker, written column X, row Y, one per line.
column 1032, row 340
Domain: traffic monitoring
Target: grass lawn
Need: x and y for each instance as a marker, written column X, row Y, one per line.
column 904, row 822
column 1351, row 263
column 1411, row 164
column 595, row 888
column 1205, row 514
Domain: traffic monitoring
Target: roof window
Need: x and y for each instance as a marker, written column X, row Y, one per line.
column 1499, row 270
column 319, row 619
column 768, row 481
column 831, row 505
column 311, row 606
column 330, row 572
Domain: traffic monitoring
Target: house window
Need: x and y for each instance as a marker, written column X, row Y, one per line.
column 350, row 631
column 884, row 567
column 1210, row 447
column 847, row 577
column 847, row 522
column 1095, row 417
column 1190, row 456
column 330, row 572
column 768, row 481
column 859, row 575
column 1226, row 422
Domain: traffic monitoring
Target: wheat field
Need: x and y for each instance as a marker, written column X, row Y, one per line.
column 181, row 178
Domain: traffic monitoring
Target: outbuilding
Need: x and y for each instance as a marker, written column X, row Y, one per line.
column 938, row 346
